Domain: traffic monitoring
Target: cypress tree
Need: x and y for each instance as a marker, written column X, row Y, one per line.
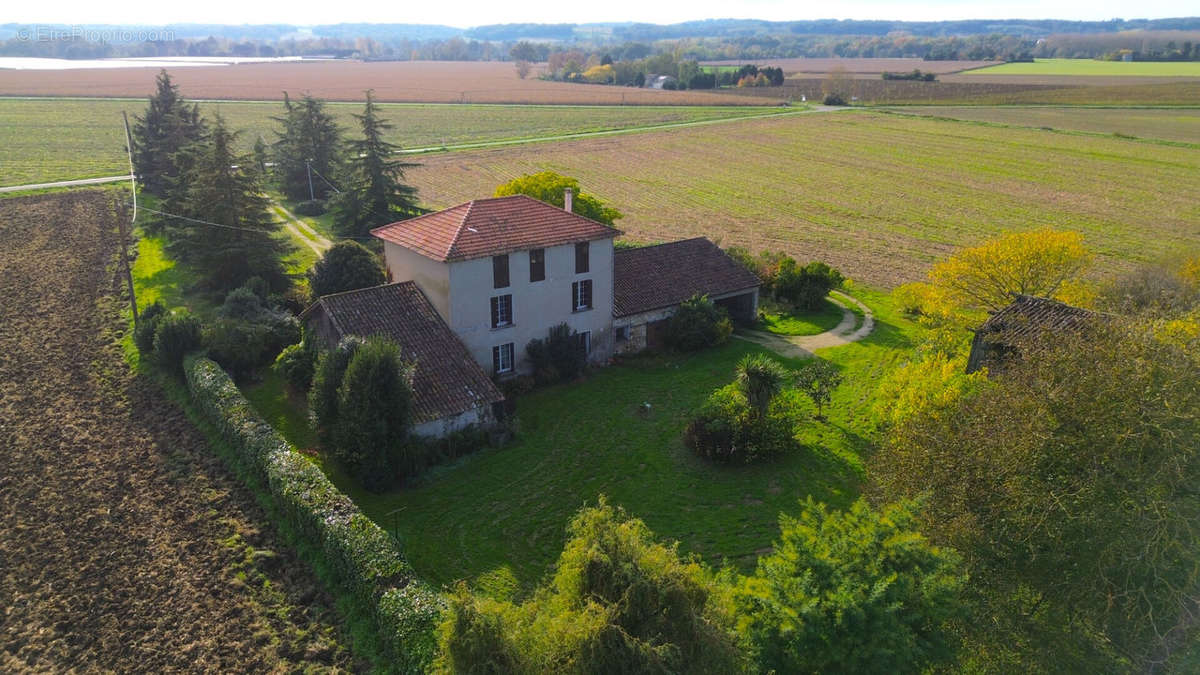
column 223, row 187
column 309, row 137
column 373, row 193
column 169, row 124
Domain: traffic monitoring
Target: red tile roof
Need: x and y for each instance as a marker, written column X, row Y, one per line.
column 447, row 381
column 487, row 227
column 654, row 277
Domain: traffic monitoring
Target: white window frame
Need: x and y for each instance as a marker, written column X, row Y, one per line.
column 501, row 352
column 586, row 336
column 502, row 302
column 576, row 301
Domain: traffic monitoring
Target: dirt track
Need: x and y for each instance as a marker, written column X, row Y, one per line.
column 124, row 543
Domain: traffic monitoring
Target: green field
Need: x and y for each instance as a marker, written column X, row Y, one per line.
column 1093, row 67
column 781, row 322
column 44, row 140
column 878, row 196
column 1180, row 125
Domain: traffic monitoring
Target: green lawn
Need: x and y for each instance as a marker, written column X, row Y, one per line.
column 807, row 323
column 1093, row 67
column 507, row 509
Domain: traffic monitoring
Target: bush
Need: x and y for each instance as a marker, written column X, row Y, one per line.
column 311, row 207
column 557, row 357
column 356, row 551
column 860, row 592
column 697, row 324
column 147, row 323
column 618, row 602
column 176, row 335
column 805, row 287
column 296, row 364
column 238, row 346
column 242, row 303
column 346, row 266
column 327, row 378
column 375, row 414
column 834, row 99
column 727, row 430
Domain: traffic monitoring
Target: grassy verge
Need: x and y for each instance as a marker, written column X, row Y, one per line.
column 782, row 322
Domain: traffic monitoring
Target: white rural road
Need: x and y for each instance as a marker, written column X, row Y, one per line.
column 64, row 183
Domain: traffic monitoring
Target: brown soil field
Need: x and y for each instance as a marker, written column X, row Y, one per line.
column 408, row 81
column 880, row 197
column 124, row 543
column 854, row 66
column 875, row 90
column 1180, row 125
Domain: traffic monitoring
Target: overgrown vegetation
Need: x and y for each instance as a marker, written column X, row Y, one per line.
column 558, row 357
column 346, row 266
column 698, row 323
column 551, row 188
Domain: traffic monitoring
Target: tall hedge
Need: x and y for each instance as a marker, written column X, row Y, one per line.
column 359, row 553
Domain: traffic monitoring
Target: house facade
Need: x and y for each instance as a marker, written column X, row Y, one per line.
column 503, row 271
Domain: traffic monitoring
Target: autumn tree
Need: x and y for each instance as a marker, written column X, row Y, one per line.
column 169, row 125
column 549, row 187
column 373, row 192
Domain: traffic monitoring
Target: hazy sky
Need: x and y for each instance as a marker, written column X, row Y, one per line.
column 465, row 13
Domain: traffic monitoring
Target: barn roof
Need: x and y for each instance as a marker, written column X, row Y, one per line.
column 1031, row 316
column 487, row 227
column 654, row 277
column 446, row 381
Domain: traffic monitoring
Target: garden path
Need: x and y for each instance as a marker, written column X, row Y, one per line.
column 803, row 346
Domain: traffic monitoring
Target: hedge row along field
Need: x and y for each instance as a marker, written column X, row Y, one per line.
column 45, row 140
column 879, row 197
column 125, row 545
column 361, row 554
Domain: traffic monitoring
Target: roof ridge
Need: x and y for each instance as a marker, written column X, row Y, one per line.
column 462, row 225
column 665, row 243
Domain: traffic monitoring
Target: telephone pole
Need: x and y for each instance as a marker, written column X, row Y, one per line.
column 124, row 244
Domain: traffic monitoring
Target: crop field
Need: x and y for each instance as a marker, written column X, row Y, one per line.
column 1181, row 125
column 878, row 196
column 869, row 90
column 856, row 66
column 402, row 82
column 125, row 545
column 44, row 140
column 1090, row 67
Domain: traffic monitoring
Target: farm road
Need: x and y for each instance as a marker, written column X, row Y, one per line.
column 64, row 183
column 803, row 346
column 125, row 545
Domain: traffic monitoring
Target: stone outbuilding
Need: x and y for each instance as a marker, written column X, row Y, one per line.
column 1028, row 318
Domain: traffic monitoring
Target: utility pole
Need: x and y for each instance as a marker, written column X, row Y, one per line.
column 308, row 166
column 124, row 243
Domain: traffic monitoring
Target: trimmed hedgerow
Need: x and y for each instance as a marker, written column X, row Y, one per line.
column 357, row 550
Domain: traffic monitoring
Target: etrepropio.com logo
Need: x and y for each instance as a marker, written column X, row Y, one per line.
column 92, row 34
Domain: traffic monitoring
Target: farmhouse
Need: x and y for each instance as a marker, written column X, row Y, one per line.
column 475, row 283
column 1028, row 318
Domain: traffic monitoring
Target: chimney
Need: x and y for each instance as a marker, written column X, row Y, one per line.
column 568, row 200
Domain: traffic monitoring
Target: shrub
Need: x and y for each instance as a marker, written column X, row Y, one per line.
column 834, row 99
column 697, row 324
column 355, row 550
column 327, row 378
column 281, row 329
column 726, row 429
column 176, row 335
column 860, row 591
column 147, row 323
column 296, row 364
column 375, row 413
column 346, row 266
column 618, row 602
column 238, row 346
column 805, row 287
column 311, row 207
column 242, row 303
column 560, row 356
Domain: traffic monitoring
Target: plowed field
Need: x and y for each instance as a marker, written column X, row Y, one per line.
column 124, row 543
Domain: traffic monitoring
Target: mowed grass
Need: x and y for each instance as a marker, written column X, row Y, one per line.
column 44, row 140
column 508, row 508
column 1093, row 67
column 880, row 197
column 801, row 323
column 1180, row 125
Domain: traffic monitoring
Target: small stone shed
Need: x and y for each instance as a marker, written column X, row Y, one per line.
column 450, row 390
column 649, row 284
column 1027, row 318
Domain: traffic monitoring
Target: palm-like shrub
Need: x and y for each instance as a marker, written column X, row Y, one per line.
column 760, row 378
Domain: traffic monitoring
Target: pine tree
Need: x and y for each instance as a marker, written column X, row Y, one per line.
column 169, row 124
column 223, row 187
column 373, row 193
column 310, row 138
